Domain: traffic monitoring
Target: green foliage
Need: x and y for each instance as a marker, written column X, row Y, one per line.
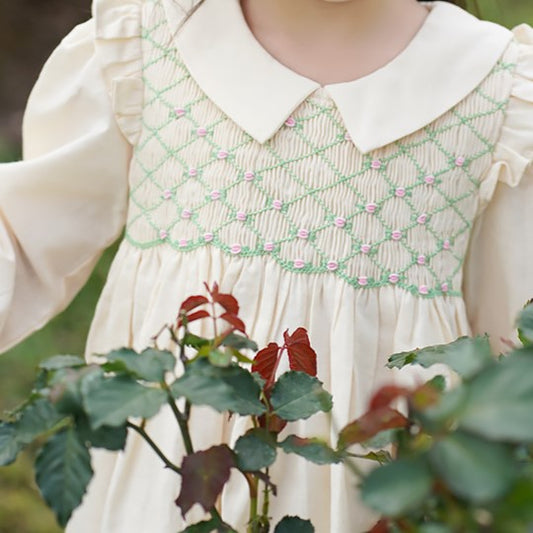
column 296, row 396
column 63, row 471
column 464, row 453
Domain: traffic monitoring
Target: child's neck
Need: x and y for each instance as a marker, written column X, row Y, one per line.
column 333, row 42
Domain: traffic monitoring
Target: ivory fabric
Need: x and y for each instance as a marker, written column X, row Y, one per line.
column 383, row 214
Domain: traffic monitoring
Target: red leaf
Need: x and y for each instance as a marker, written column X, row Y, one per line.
column 370, row 424
column 192, row 302
column 228, row 302
column 193, row 316
column 275, row 423
column 301, row 356
column 235, row 321
column 204, row 475
column 265, row 361
column 386, row 395
column 381, row 527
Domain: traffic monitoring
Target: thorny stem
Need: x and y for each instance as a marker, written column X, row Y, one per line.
column 181, row 418
column 154, row 447
column 266, row 497
column 252, row 484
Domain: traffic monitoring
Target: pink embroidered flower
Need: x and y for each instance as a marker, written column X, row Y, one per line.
column 277, row 204
column 340, row 222
column 303, row 233
column 186, row 213
column 163, row 234
column 208, row 237
column 362, row 280
column 460, row 161
column 201, row 132
column 376, row 164
column 396, row 235
column 394, row 278
column 430, row 179
column 269, row 246
column 167, row 194
column 235, row 248
column 290, row 122
column 421, row 259
column 193, row 172
column 444, row 287
column 423, row 289
column 241, row 216
column 347, row 137
column 215, row 195
column 249, row 175
column 222, row 154
column 299, row 263
column 422, row 219
column 371, row 207
column 400, row 192
column 446, row 245
column 365, row 248
column 179, row 111
column 332, row 266
column 183, row 243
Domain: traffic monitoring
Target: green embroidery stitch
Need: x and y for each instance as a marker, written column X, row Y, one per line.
column 179, row 158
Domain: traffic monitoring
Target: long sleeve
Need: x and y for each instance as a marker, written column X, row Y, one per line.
column 499, row 268
column 66, row 201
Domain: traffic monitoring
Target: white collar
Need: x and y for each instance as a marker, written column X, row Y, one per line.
column 449, row 56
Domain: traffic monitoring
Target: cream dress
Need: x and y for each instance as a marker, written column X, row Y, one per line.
column 382, row 214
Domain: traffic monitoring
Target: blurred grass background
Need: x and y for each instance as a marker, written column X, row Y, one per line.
column 21, row 510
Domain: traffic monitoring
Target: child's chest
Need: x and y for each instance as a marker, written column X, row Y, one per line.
column 308, row 197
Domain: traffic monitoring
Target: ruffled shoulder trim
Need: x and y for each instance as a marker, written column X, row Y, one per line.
column 513, row 154
column 119, row 49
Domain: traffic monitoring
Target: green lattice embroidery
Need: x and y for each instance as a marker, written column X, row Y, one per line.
column 400, row 216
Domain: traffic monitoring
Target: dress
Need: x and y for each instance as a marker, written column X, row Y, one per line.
column 383, row 214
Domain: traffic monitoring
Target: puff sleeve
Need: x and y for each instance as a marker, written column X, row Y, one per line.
column 499, row 267
column 66, row 201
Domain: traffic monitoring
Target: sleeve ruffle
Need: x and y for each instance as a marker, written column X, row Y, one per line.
column 513, row 153
column 119, row 49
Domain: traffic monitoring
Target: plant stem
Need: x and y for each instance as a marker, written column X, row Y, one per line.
column 154, row 447
column 181, row 418
column 252, row 487
column 266, row 497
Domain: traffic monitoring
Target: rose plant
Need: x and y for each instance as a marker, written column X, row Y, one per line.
column 448, row 460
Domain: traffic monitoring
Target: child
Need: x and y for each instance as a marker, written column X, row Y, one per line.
column 358, row 168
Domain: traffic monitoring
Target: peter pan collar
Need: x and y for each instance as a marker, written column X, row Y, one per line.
column 449, row 56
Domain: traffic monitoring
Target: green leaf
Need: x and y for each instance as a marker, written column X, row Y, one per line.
column 255, row 450
column 467, row 356
column 239, row 342
column 293, row 524
column 62, row 361
column 434, row 528
column 313, row 450
column 382, row 456
column 225, row 389
column 149, row 365
column 209, row 526
column 398, row 487
column 473, row 468
column 517, row 504
column 35, row 419
column 220, row 357
column 189, row 339
column 203, row 476
column 524, row 324
column 10, row 446
column 63, row 471
column 108, row 437
column 296, row 396
column 110, row 401
column 446, row 410
column 500, row 401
